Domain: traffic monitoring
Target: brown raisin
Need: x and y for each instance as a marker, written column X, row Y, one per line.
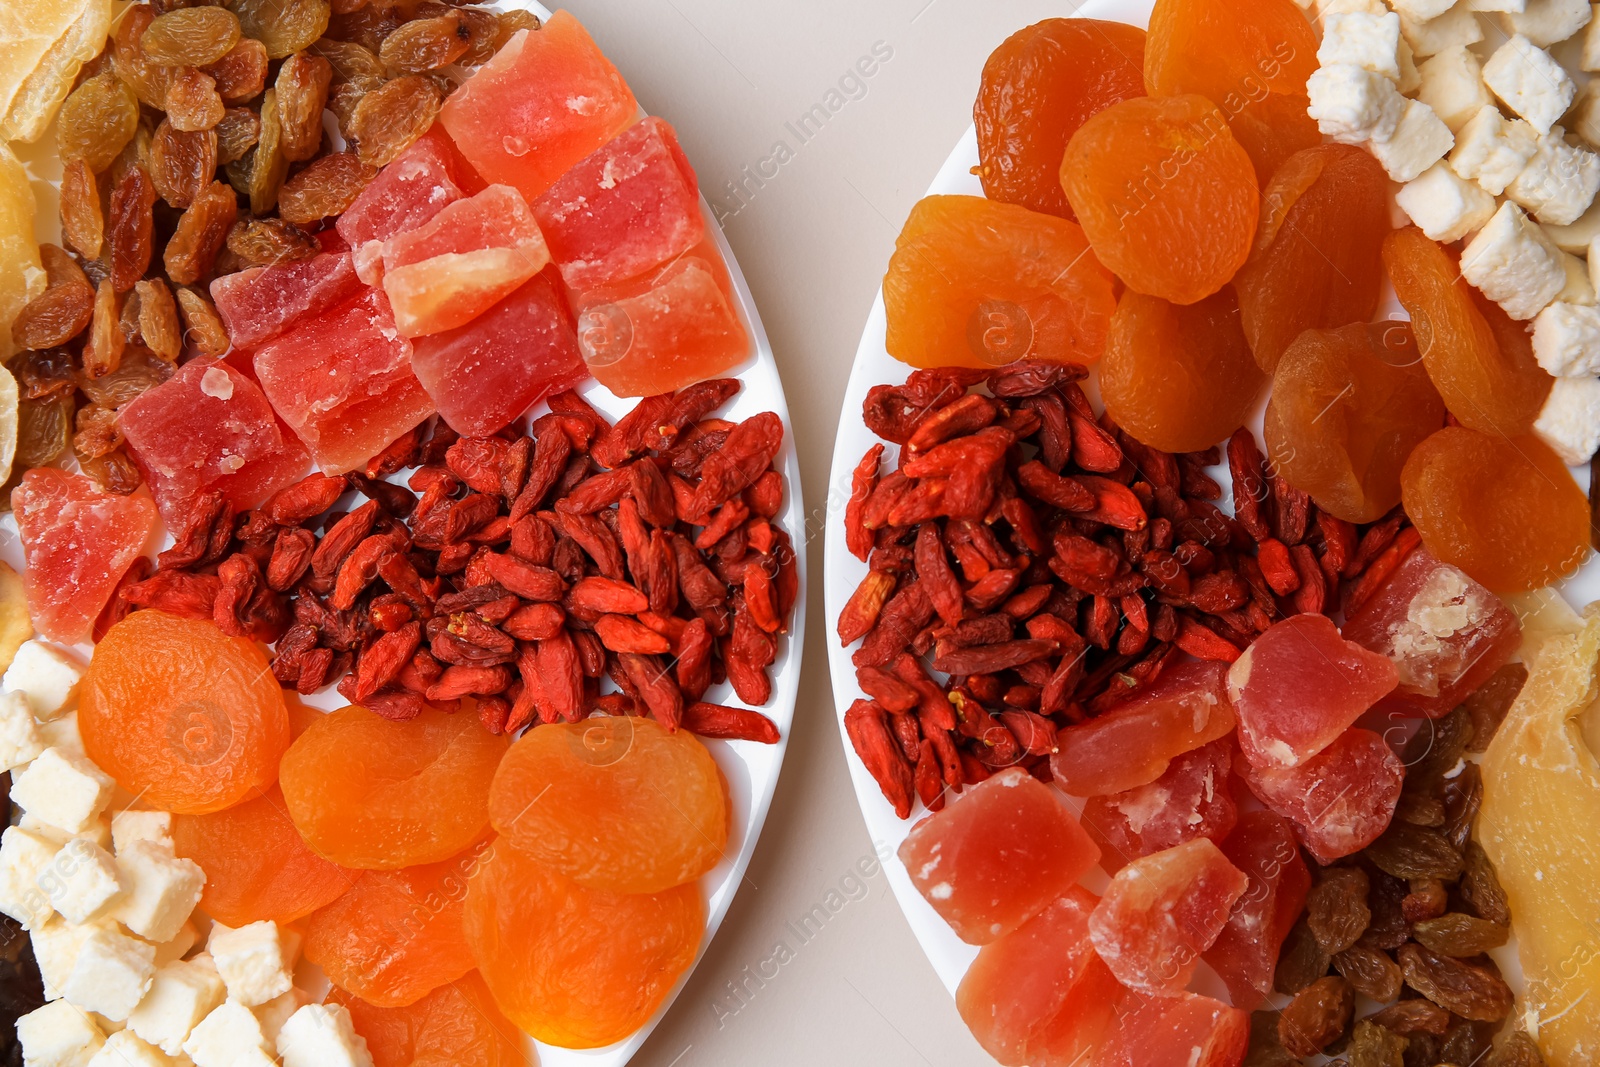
column 96, row 121
column 1463, row 796
column 1373, row 1046
column 1456, row 934
column 113, row 472
column 62, row 310
column 158, row 319
column 1265, row 1048
column 1480, row 887
column 1301, row 960
column 302, row 92
column 324, row 188
column 83, row 220
column 1336, row 908
column 1472, row 989
column 1427, row 900
column 136, row 154
column 1372, row 973
column 1517, row 1050
column 389, row 120
column 1388, row 928
column 201, row 232
column 44, row 374
column 191, row 36
column 131, row 228
column 1435, row 750
column 1468, row 1042
column 267, row 165
column 202, row 326
column 128, row 321
column 182, row 162
column 241, row 74
column 1415, row 1016
column 1318, row 1014
column 260, row 242
column 483, row 28
column 426, row 44
column 1488, row 706
column 97, row 432
column 352, row 63
column 145, row 76
column 367, row 25
column 1408, row 851
column 44, row 430
column 239, row 172
column 345, row 7
column 138, row 372
column 102, row 352
column 284, row 26
column 237, row 133
column 193, row 102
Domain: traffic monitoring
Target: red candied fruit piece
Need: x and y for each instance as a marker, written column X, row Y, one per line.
column 1040, row 995
column 488, row 372
column 76, row 541
column 342, row 380
column 1245, row 953
column 992, row 859
column 631, row 206
column 1445, row 633
column 408, row 192
column 1185, row 1030
column 209, row 428
column 1299, row 686
column 1132, row 745
column 259, row 303
column 1161, row 912
column 1339, row 800
column 1192, row 799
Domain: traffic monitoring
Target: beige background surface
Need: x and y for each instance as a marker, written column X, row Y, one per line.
column 813, row 229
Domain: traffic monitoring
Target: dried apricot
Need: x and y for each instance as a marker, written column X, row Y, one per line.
column 1038, row 87
column 1179, row 378
column 1232, row 51
column 1273, row 129
column 455, row 1024
column 1487, row 375
column 1317, row 262
column 1347, row 408
column 178, row 713
column 577, row 967
column 1165, row 194
column 1503, row 509
column 585, row 799
column 379, row 795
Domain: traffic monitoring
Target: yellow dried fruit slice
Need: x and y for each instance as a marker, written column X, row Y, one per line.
column 21, row 275
column 29, row 29
column 15, row 625
column 42, row 91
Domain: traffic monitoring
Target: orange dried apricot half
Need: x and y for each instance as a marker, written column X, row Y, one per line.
column 1232, row 51
column 1273, row 128
column 454, row 1025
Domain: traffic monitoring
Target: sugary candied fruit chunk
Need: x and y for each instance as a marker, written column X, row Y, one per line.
column 1184, row 1030
column 662, row 332
column 77, row 541
column 485, row 374
column 1317, row 261
column 1180, row 239
column 1161, row 911
column 975, row 283
column 1445, row 633
column 456, row 1023
column 585, row 800
column 1299, row 686
column 1038, row 87
column 188, row 719
column 577, row 967
column 259, row 303
column 343, row 382
column 1132, row 745
column 631, row 206
column 1040, row 994
column 1480, row 361
column 207, row 429
column 1505, row 510
column 258, row 867
column 1194, row 798
column 373, row 794
column 1245, row 953
column 1347, row 408
column 543, row 103
column 1179, row 378
column 1339, row 800
column 415, row 187
column 396, row 935
column 463, row 261
column 990, row 861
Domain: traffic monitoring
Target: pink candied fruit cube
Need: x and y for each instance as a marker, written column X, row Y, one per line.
column 209, row 428
column 259, row 303
column 544, row 102
column 488, row 372
column 1129, row 746
column 1160, row 912
column 1192, row 799
column 1300, row 685
column 1183, row 1030
column 1040, row 995
column 412, row 189
column 1445, row 633
column 1245, row 953
column 1339, row 800
column 628, row 208
column 991, row 860
column 76, row 542
column 342, row 380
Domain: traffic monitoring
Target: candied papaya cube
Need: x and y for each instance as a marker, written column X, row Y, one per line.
column 1445, row 633
column 77, row 541
column 1192, row 799
column 342, row 380
column 463, row 261
column 1184, row 1030
column 209, row 428
column 1160, row 912
column 544, row 102
column 412, row 189
column 990, row 861
column 1245, row 953
column 1339, row 800
column 1132, row 745
column 1040, row 995
column 1299, row 686
column 629, row 207
column 259, row 303
column 485, row 374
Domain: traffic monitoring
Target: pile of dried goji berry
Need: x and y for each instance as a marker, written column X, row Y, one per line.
column 518, row 570
column 1084, row 562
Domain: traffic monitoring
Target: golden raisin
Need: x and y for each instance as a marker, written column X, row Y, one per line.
column 260, row 242
column 97, row 432
column 182, row 163
column 113, row 472
column 130, row 228
column 389, row 120
column 483, row 29
column 302, row 91
column 83, row 221
column 352, row 63
column 62, row 310
column 103, row 351
column 267, row 165
column 426, row 44
column 96, row 120
column 237, row 133
column 284, row 26
column 145, row 76
column 200, row 234
column 324, row 188
column 242, row 73
column 158, row 319
column 191, row 36
column 342, row 101
column 201, row 323
column 192, row 101
column 512, row 23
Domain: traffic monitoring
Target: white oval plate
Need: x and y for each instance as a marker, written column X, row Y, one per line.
column 751, row 769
